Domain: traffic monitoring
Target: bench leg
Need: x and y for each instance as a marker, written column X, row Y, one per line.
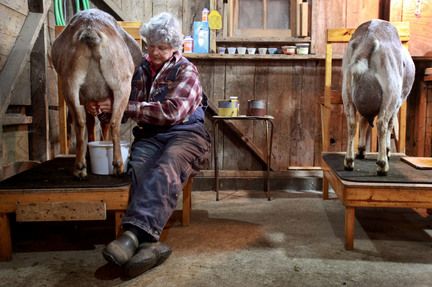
column 325, row 187
column 118, row 218
column 187, row 202
column 5, row 238
column 349, row 227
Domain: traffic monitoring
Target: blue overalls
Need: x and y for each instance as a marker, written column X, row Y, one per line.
column 161, row 160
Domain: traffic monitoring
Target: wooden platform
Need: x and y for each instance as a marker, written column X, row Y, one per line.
column 49, row 192
column 404, row 187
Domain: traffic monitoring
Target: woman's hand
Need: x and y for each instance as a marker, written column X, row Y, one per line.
column 96, row 108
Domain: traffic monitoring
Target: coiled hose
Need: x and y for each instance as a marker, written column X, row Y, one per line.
column 59, row 13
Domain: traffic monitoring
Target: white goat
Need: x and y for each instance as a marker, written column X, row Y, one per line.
column 378, row 73
column 95, row 59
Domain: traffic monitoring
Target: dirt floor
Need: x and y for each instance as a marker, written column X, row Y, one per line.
column 297, row 239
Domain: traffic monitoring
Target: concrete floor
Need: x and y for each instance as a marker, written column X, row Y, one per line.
column 296, row 239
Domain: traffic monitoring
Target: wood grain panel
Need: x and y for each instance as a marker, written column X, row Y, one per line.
column 282, row 107
column 20, row 6
column 420, row 43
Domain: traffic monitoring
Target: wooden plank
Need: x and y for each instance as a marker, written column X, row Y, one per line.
column 418, row 162
column 297, row 14
column 396, row 10
column 304, row 15
column 339, row 35
column 115, row 198
column 420, row 44
column 16, row 119
column 20, row 6
column 361, row 11
column 421, row 119
column 159, row 6
column 175, row 8
column 391, row 196
column 280, row 85
column 39, row 98
column 16, row 60
column 60, row 211
column 20, row 95
column 14, row 22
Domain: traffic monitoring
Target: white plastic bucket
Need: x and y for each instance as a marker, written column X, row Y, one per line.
column 101, row 156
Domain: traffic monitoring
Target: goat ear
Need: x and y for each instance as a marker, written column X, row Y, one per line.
column 133, row 46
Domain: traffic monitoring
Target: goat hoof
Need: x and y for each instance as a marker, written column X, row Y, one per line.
column 80, row 173
column 118, row 168
column 361, row 153
column 382, row 167
column 349, row 164
column 381, row 172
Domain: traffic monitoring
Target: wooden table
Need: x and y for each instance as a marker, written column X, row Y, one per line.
column 268, row 120
column 48, row 192
column 404, row 187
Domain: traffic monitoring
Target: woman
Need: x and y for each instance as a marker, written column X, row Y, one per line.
column 170, row 143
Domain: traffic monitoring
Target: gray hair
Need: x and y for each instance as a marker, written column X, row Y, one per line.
column 163, row 28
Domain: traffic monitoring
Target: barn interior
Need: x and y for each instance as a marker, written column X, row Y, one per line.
column 267, row 208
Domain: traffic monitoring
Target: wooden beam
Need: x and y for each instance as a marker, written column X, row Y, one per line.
column 17, row 58
column 16, row 119
column 39, row 98
column 60, row 211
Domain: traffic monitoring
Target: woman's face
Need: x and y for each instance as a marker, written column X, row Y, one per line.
column 160, row 53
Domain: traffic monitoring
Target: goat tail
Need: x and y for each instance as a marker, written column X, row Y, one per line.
column 90, row 37
column 361, row 61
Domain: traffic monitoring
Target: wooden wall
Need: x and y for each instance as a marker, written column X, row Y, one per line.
column 292, row 88
column 419, row 14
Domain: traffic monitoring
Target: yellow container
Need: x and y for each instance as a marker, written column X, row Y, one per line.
column 228, row 108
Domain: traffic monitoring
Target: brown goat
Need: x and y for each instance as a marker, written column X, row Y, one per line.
column 95, row 59
column 378, row 73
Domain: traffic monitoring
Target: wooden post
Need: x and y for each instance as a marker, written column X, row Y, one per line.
column 421, row 120
column 187, row 202
column 62, row 111
column 325, row 188
column 5, row 238
column 39, row 99
column 349, row 227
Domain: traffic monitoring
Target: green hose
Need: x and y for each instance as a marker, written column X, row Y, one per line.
column 77, row 6
column 63, row 22
column 58, row 12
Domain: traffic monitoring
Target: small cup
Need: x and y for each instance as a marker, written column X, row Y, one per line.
column 251, row 51
column 221, row 50
column 241, row 50
column 262, row 51
column 289, row 50
column 302, row 48
column 231, row 50
column 272, row 50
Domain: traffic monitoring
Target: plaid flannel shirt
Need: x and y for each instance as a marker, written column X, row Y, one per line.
column 182, row 98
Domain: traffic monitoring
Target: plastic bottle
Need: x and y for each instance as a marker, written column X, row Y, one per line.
column 187, row 44
column 204, row 15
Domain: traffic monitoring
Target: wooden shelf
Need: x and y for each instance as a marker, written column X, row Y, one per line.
column 278, row 57
column 264, row 40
